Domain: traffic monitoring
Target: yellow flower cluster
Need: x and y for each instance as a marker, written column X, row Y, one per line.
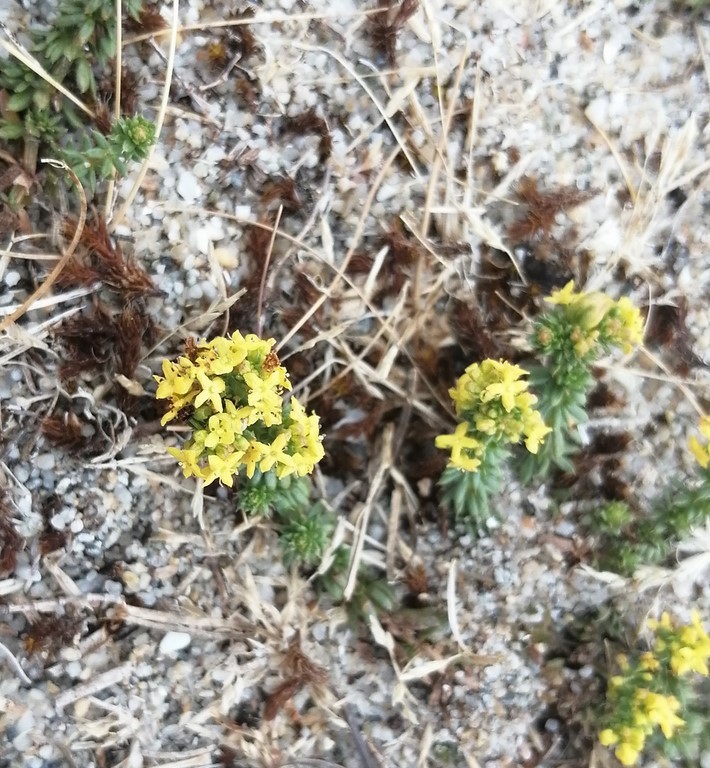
column 677, row 651
column 598, row 319
column 648, row 710
column 701, row 451
column 493, row 402
column 231, row 391
column 688, row 647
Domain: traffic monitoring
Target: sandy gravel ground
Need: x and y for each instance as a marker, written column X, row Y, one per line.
column 398, row 182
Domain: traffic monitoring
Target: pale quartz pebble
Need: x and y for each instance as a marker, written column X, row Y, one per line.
column 188, row 187
column 242, row 211
column 73, row 668
column 23, row 742
column 173, row 642
column 214, row 154
column 131, row 581
column 22, row 473
column 81, row 708
column 174, row 231
column 227, row 257
column 45, row 461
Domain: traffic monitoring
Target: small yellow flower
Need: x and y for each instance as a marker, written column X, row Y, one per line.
column 688, row 659
column 265, row 396
column 463, row 448
column 593, row 308
column 631, row 322
column 212, row 389
column 177, row 379
column 507, row 387
column 223, row 427
column 274, row 453
column 663, row 623
column 635, row 737
column 188, row 459
column 251, row 458
column 225, row 467
column 608, row 738
column 701, row 451
column 660, row 710
column 564, row 296
column 649, row 661
column 626, row 754
column 535, row 431
column 305, row 434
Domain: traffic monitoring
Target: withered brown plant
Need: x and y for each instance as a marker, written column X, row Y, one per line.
column 63, row 429
column 10, row 540
column 100, row 339
column 403, row 252
column 310, row 123
column 46, row 635
column 385, row 25
column 149, row 20
column 301, row 670
column 543, row 206
column 99, row 257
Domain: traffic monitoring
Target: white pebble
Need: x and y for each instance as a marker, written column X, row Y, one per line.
column 187, row 187
column 22, row 473
column 45, row 461
column 12, row 278
column 76, row 525
column 173, row 642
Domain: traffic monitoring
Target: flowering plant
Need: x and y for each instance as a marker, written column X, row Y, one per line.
column 627, row 539
column 231, row 392
column 701, row 450
column 496, row 411
column 654, row 690
column 578, row 329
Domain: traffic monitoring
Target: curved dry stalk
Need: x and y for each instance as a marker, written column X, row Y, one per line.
column 273, row 17
column 14, row 664
column 345, row 64
column 117, row 101
column 264, row 273
column 339, row 275
column 158, row 123
column 24, row 56
column 54, row 274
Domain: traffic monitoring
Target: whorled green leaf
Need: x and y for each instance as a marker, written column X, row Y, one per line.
column 84, row 76
column 19, row 101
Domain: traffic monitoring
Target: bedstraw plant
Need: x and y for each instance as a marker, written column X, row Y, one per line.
column 497, row 408
column 567, row 340
column 495, row 411
column 655, row 699
column 76, row 50
column 628, row 538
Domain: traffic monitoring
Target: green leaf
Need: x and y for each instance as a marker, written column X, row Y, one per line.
column 11, row 131
column 19, row 101
column 105, row 48
column 106, row 168
column 83, row 75
column 86, row 30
